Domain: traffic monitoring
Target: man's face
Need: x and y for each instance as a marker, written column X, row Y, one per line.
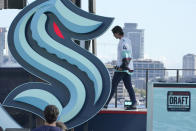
column 116, row 35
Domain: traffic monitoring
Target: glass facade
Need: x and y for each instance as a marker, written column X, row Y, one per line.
column 6, row 59
column 189, row 62
column 1, row 4
column 3, row 32
column 141, row 66
column 137, row 39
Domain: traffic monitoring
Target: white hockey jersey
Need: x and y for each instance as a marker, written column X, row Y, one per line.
column 124, row 51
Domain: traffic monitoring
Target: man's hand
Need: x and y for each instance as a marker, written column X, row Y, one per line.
column 118, row 68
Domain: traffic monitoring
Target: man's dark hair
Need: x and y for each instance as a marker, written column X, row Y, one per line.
column 118, row 29
column 51, row 113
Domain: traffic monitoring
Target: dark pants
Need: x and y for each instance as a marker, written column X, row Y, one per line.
column 118, row 76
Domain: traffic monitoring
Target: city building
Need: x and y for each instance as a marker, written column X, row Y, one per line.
column 3, row 34
column 137, row 39
column 1, row 4
column 147, row 67
column 189, row 62
column 12, row 4
column 156, row 70
column 6, row 59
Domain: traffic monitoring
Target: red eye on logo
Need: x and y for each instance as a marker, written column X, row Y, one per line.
column 57, row 30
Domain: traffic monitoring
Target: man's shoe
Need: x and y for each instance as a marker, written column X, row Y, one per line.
column 132, row 107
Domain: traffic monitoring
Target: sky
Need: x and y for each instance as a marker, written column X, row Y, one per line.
column 169, row 27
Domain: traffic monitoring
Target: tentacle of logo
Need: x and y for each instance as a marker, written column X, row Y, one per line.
column 41, row 40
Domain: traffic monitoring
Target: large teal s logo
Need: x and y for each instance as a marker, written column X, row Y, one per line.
column 41, row 40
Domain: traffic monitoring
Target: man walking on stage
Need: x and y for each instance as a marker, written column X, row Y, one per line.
column 124, row 67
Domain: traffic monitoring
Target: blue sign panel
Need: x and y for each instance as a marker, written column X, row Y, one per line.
column 171, row 107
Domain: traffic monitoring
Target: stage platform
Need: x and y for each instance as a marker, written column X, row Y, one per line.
column 114, row 119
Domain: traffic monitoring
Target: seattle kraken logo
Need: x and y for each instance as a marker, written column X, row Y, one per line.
column 41, row 40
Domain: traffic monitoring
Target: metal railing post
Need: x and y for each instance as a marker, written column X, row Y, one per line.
column 177, row 76
column 116, row 93
column 146, row 86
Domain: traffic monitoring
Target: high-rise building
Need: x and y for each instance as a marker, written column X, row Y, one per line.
column 153, row 67
column 12, row 4
column 6, row 59
column 137, row 39
column 1, row 4
column 155, row 70
column 189, row 62
column 3, row 32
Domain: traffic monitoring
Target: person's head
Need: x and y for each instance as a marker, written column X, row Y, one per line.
column 51, row 113
column 1, row 129
column 118, row 32
column 61, row 125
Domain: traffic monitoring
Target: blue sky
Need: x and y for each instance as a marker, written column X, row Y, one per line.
column 169, row 27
